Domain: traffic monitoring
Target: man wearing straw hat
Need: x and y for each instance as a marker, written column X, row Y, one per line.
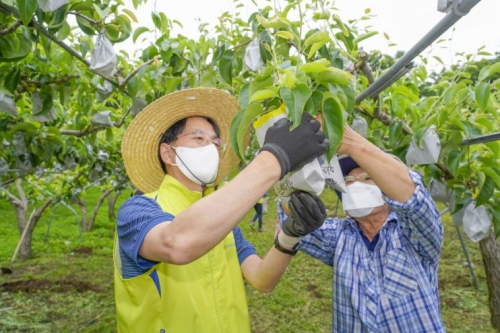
column 179, row 257
column 385, row 254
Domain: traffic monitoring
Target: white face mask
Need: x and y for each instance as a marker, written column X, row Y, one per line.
column 199, row 164
column 361, row 199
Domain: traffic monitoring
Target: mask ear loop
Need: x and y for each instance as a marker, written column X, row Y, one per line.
column 203, row 185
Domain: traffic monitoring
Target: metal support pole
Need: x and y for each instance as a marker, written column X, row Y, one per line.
column 464, row 248
column 461, row 8
column 482, row 139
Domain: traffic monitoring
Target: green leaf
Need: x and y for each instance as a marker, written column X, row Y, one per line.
column 244, row 96
column 26, row 10
column 365, row 36
column 251, row 112
column 285, row 34
column 315, row 47
column 395, row 131
column 12, row 80
column 295, row 99
column 317, row 37
column 419, row 135
column 486, row 191
column 453, row 161
column 85, row 26
column 351, row 99
column 14, row 47
column 233, row 133
column 131, row 15
column 226, row 66
column 317, row 66
column 489, row 71
column 262, row 80
column 334, row 75
column 495, row 177
column 333, row 125
column 269, row 92
column 314, row 103
column 156, row 20
column 137, row 32
column 482, row 94
column 63, row 32
column 218, row 53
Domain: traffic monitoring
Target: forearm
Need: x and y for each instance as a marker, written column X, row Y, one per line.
column 389, row 174
column 265, row 274
column 204, row 224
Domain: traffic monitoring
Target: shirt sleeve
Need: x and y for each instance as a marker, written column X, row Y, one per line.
column 319, row 244
column 243, row 247
column 420, row 221
column 136, row 217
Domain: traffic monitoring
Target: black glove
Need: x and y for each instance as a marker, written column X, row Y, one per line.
column 295, row 148
column 307, row 213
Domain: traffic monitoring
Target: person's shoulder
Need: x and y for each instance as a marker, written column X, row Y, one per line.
column 139, row 201
column 136, row 206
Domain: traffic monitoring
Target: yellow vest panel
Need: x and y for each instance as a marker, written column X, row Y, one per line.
column 204, row 296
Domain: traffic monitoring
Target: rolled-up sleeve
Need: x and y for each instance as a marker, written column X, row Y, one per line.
column 420, row 221
column 136, row 217
column 243, row 247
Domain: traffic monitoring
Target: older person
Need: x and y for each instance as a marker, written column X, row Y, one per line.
column 385, row 254
column 179, row 258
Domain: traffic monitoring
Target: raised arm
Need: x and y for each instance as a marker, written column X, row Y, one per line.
column 196, row 230
column 390, row 175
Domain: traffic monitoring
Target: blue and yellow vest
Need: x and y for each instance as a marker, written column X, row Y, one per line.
column 207, row 295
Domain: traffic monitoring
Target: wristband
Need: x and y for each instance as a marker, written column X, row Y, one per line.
column 280, row 248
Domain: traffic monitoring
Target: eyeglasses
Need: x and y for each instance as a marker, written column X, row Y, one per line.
column 364, row 178
column 204, row 139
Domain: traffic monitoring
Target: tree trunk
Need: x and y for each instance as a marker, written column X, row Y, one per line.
column 112, row 204
column 83, row 210
column 26, row 226
column 490, row 252
column 98, row 205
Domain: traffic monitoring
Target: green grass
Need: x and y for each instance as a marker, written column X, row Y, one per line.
column 77, row 280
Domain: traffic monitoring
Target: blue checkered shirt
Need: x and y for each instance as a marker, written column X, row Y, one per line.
column 395, row 287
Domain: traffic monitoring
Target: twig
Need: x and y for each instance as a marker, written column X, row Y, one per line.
column 362, row 57
column 64, row 79
column 292, row 43
column 86, row 131
column 91, row 21
column 12, row 28
column 135, row 71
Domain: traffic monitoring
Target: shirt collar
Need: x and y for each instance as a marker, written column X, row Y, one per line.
column 351, row 222
column 175, row 187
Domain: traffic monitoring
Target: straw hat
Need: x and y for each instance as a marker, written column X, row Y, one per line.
column 140, row 142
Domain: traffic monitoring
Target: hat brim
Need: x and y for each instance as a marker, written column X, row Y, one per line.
column 140, row 142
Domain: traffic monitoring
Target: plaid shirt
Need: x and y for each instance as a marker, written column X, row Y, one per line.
column 395, row 287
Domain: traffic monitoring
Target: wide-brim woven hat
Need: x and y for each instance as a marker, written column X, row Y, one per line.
column 141, row 140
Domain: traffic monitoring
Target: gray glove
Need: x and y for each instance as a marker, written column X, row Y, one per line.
column 307, row 213
column 295, row 148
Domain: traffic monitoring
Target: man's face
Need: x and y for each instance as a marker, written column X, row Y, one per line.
column 197, row 132
column 358, row 174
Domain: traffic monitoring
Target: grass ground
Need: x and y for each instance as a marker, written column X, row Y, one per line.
column 68, row 285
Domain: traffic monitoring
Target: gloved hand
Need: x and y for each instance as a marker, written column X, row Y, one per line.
column 295, row 148
column 307, row 213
